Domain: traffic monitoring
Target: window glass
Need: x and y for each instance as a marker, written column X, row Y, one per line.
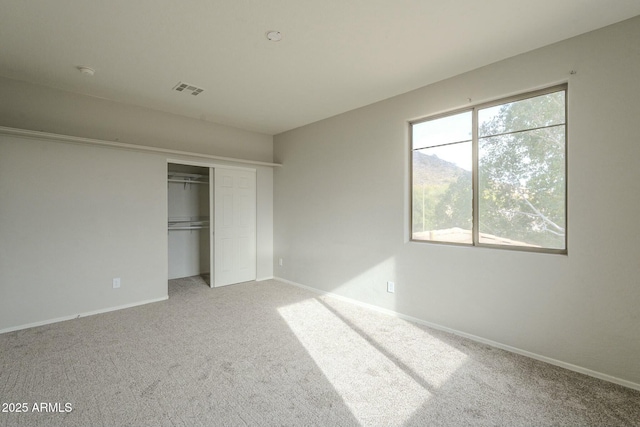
column 445, row 130
column 442, row 193
column 531, row 113
column 520, row 171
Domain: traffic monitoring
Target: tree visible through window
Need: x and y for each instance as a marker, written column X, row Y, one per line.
column 493, row 175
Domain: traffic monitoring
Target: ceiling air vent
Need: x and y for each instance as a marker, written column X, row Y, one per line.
column 187, row 88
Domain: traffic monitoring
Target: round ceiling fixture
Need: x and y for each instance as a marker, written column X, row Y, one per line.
column 274, row 36
column 87, row 71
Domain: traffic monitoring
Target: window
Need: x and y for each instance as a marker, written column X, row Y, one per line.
column 493, row 175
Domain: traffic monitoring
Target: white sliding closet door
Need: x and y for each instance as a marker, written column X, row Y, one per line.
column 235, row 226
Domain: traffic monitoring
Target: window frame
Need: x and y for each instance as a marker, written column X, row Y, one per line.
column 564, row 87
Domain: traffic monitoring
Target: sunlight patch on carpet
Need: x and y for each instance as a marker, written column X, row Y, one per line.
column 366, row 376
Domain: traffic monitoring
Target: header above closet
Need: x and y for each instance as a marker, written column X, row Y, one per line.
column 53, row 137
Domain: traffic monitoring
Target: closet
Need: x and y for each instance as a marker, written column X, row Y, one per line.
column 212, row 223
column 189, row 226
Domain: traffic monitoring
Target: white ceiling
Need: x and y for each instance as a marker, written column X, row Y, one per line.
column 335, row 55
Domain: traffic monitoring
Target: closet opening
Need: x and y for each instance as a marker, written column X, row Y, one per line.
column 190, row 222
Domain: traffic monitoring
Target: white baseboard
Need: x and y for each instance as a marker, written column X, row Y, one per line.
column 262, row 279
column 476, row 338
column 76, row 316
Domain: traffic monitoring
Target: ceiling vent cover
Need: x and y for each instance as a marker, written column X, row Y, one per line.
column 188, row 88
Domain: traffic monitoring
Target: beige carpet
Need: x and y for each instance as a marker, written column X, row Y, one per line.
column 268, row 354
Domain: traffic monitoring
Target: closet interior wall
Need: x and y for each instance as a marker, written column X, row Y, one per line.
column 189, row 228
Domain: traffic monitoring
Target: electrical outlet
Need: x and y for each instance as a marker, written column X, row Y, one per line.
column 280, row 262
column 116, row 282
column 391, row 287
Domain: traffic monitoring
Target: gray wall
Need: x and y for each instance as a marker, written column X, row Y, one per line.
column 71, row 219
column 35, row 107
column 75, row 216
column 342, row 213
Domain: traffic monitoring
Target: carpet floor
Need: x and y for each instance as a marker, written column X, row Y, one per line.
column 267, row 354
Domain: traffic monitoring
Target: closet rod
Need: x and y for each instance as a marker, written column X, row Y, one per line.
column 186, row 181
column 195, row 227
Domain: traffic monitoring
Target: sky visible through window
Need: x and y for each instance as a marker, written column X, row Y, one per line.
column 433, row 134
